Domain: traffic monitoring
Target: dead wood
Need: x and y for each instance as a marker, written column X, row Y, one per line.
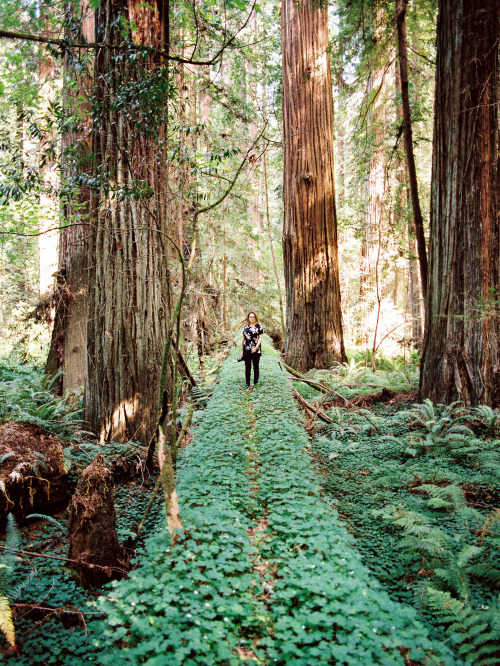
column 92, row 528
column 308, row 406
column 32, row 475
column 384, row 396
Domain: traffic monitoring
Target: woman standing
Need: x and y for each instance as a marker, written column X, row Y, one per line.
column 251, row 351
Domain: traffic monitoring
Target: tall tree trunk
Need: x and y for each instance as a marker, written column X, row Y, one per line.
column 69, row 335
column 408, row 140
column 48, row 205
column 128, row 290
column 271, row 244
column 461, row 345
column 403, row 201
column 414, row 289
column 314, row 336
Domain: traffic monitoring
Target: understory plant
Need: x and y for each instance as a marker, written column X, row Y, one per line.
column 263, row 569
column 432, row 479
column 29, row 398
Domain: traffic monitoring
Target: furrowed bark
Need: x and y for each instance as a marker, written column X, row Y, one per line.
column 310, row 250
column 461, row 345
column 128, row 290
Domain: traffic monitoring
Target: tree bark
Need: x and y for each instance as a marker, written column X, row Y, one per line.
column 128, row 290
column 94, row 550
column 408, row 141
column 461, row 345
column 314, row 335
column 69, row 335
column 403, row 212
column 48, row 205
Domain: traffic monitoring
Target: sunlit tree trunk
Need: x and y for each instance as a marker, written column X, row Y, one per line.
column 461, row 345
column 375, row 190
column 48, row 206
column 128, row 288
column 69, row 335
column 314, row 323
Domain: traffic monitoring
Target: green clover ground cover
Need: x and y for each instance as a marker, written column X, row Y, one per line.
column 66, row 637
column 421, row 498
column 264, row 570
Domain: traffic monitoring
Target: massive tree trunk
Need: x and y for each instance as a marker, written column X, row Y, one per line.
column 69, row 334
column 461, row 345
column 314, row 336
column 128, row 289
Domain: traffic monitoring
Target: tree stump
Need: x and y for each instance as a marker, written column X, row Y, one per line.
column 94, row 550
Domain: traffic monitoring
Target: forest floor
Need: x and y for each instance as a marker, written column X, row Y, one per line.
column 299, row 546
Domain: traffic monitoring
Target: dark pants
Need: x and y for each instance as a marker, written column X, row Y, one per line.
column 251, row 359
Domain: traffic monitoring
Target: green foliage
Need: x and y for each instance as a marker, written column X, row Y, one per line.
column 431, row 479
column 27, row 397
column 490, row 418
column 8, row 560
column 202, row 598
column 67, row 635
column 478, row 634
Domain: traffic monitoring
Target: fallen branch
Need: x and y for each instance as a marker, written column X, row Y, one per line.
column 182, row 433
column 324, row 389
column 185, row 370
column 62, row 609
column 306, row 404
column 63, row 559
column 168, row 482
column 317, row 385
column 310, row 382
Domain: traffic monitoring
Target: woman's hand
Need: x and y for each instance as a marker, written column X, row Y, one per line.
column 254, row 350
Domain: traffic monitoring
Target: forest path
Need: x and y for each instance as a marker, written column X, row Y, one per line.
column 264, row 571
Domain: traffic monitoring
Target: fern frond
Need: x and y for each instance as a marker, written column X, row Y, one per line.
column 6, row 622
column 42, row 516
column 486, row 572
column 487, row 416
column 8, row 558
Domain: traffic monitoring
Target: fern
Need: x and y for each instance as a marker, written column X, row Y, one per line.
column 490, row 418
column 42, row 516
column 6, row 622
column 456, row 572
column 7, row 570
column 30, row 399
column 476, row 631
column 9, row 557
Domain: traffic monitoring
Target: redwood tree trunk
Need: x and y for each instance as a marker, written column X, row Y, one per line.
column 314, row 322
column 128, row 290
column 68, row 346
column 461, row 354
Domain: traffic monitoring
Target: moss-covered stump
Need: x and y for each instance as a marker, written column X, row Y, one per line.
column 94, row 550
column 127, row 462
column 32, row 474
